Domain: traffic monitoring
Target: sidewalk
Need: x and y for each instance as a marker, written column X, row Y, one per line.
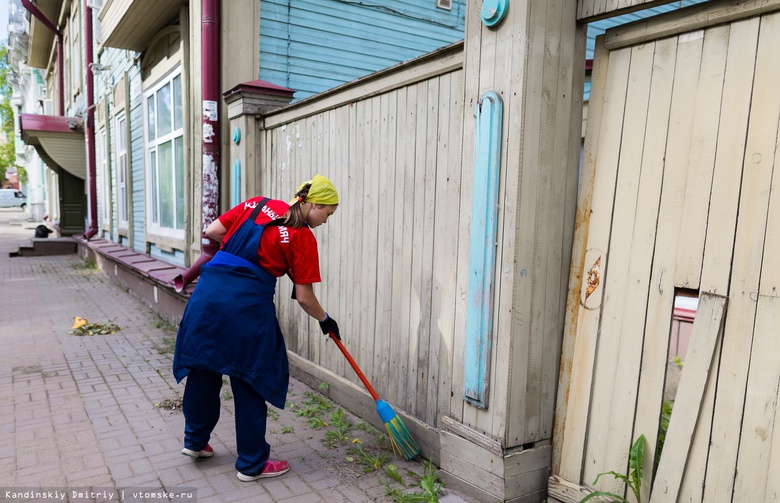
column 96, row 418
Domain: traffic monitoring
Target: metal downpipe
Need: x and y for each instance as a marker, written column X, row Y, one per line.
column 211, row 140
column 90, row 89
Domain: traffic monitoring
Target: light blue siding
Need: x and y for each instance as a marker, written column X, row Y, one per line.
column 314, row 45
column 137, row 160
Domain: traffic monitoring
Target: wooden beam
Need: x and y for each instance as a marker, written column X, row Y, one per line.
column 593, row 10
column 707, row 328
column 691, row 19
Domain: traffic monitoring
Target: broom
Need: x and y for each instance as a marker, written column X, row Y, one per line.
column 402, row 441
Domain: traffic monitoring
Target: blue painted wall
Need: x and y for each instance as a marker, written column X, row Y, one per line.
column 314, row 45
column 137, row 160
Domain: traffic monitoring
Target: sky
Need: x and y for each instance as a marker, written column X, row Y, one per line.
column 3, row 19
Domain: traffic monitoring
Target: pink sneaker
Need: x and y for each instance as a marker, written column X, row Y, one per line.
column 272, row 468
column 207, row 452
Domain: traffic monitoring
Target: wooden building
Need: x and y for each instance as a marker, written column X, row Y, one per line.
column 515, row 308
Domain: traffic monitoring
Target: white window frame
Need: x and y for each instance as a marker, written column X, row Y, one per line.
column 121, row 158
column 77, row 50
column 105, row 174
column 152, row 142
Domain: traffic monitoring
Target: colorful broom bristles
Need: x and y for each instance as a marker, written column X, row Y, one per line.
column 400, row 438
column 402, row 441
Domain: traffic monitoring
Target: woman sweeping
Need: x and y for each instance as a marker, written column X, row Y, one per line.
column 230, row 327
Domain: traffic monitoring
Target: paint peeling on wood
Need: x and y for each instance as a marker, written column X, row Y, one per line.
column 593, row 279
column 210, row 189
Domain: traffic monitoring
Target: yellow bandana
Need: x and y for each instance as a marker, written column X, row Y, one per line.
column 321, row 191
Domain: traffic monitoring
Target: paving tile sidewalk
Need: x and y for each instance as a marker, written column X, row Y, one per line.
column 79, row 414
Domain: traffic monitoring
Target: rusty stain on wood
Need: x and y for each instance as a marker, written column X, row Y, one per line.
column 594, row 277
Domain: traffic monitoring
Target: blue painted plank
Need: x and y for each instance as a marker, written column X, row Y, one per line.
column 482, row 249
column 314, row 45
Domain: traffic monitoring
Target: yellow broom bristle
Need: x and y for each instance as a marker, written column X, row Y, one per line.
column 402, row 441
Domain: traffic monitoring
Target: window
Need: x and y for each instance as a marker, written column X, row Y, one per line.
column 444, row 4
column 77, row 74
column 102, row 162
column 121, row 168
column 165, row 155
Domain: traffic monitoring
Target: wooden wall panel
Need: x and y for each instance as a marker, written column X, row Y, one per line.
column 394, row 157
column 620, row 339
column 701, row 198
column 722, row 215
column 648, row 236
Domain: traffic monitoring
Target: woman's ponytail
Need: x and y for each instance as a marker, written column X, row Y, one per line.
column 294, row 216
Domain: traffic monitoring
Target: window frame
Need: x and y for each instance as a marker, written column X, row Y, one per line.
column 101, row 149
column 152, row 141
column 121, row 157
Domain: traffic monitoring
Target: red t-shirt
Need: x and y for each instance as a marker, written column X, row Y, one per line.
column 282, row 249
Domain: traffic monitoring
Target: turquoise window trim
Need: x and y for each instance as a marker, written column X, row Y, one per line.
column 482, row 249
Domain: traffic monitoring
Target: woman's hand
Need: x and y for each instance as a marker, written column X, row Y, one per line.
column 329, row 326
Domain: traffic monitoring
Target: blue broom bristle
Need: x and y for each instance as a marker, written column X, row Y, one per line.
column 402, row 441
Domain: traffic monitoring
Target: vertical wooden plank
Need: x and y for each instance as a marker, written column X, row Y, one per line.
column 387, row 200
column 361, row 126
column 424, row 353
column 370, row 216
column 722, row 218
column 499, row 78
column 582, row 220
column 748, row 248
column 490, row 41
column 417, row 311
column 570, row 72
column 396, row 331
column 472, row 56
column 616, row 377
column 482, row 249
column 654, row 349
column 403, row 283
column 701, row 156
column 523, row 187
column 547, row 228
column 595, row 259
column 446, row 233
column 707, row 328
column 442, row 254
column 354, row 222
column 662, row 288
column 367, row 287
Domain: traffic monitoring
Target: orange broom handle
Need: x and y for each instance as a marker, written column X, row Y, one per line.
column 354, row 366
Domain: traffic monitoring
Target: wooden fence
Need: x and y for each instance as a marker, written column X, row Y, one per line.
column 680, row 162
column 392, row 145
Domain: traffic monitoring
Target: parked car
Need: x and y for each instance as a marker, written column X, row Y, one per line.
column 12, row 198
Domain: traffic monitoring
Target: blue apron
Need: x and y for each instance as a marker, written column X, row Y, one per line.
column 229, row 325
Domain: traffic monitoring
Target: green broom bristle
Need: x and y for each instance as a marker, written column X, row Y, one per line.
column 402, row 441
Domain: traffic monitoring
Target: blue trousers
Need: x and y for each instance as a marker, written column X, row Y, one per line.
column 201, row 405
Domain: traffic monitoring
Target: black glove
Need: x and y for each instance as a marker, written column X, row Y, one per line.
column 330, row 325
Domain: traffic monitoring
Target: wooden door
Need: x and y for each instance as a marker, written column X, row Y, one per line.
column 675, row 199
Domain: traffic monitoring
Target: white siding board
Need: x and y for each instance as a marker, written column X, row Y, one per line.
column 384, row 289
column 655, row 343
column 701, row 157
column 621, row 328
column 722, row 221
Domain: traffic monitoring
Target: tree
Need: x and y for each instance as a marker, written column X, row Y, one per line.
column 8, row 145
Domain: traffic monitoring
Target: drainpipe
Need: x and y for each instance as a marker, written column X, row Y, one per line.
column 90, row 89
column 60, row 75
column 210, row 122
